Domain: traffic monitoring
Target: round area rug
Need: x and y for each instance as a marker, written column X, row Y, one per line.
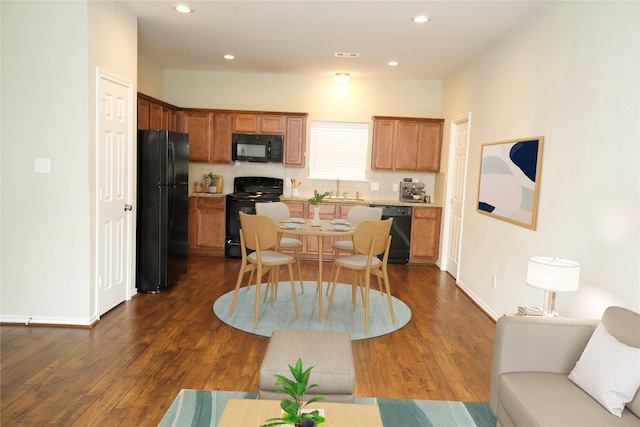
column 342, row 317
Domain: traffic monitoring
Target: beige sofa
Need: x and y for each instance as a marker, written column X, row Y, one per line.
column 532, row 360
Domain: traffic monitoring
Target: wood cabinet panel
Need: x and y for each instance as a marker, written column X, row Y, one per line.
column 410, row 144
column 294, row 142
column 220, row 152
column 425, row 234
column 245, row 123
column 258, row 123
column 207, row 225
column 430, row 147
column 383, row 144
column 271, row 124
column 155, row 116
column 143, row 114
column 199, row 126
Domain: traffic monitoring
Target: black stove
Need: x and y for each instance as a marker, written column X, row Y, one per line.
column 247, row 190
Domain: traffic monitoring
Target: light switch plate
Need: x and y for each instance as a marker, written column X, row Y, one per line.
column 394, row 187
column 375, row 186
column 43, row 165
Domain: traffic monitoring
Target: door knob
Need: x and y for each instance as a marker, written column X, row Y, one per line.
column 128, row 207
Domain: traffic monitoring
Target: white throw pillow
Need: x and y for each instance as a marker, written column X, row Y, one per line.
column 608, row 370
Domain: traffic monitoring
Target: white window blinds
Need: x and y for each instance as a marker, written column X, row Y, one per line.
column 338, row 150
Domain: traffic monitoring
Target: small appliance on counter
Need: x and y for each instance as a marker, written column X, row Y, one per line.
column 411, row 191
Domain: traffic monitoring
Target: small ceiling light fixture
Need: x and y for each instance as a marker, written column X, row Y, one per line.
column 229, row 57
column 421, row 19
column 342, row 77
column 182, row 8
column 392, row 63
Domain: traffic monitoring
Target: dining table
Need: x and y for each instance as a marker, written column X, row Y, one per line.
column 327, row 228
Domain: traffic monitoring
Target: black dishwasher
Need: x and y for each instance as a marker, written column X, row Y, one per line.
column 400, row 232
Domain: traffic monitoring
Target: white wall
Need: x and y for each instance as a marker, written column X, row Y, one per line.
column 49, row 53
column 322, row 98
column 570, row 73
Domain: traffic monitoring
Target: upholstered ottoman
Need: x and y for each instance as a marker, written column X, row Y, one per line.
column 329, row 353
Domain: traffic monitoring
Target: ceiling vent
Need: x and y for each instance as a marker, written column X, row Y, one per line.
column 346, row 55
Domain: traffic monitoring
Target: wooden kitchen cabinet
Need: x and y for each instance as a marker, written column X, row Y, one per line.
column 220, row 151
column 154, row 114
column 425, row 235
column 207, row 225
column 199, row 126
column 258, row 123
column 406, row 144
column 294, row 141
column 209, row 135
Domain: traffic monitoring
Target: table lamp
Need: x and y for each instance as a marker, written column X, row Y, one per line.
column 552, row 275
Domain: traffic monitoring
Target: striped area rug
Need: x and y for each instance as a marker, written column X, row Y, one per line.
column 203, row 408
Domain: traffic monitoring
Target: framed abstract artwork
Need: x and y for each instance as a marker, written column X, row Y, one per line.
column 510, row 180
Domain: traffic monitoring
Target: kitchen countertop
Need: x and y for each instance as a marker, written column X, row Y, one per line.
column 333, row 200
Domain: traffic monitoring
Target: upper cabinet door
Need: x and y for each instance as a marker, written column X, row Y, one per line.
column 406, row 146
column 430, row 147
column 245, row 123
column 220, row 152
column 199, row 126
column 271, row 123
column 383, row 144
column 294, row 142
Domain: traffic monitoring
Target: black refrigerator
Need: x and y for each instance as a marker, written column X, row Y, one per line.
column 162, row 209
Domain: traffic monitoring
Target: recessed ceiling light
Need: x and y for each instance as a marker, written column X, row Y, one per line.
column 182, row 8
column 342, row 77
column 421, row 19
column 392, row 63
column 229, row 57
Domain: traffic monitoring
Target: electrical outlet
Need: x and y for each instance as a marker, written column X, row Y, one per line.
column 375, row 186
column 493, row 281
column 394, row 187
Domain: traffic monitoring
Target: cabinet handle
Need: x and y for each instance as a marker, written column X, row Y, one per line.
column 128, row 207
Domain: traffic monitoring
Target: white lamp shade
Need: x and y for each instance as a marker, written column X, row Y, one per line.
column 553, row 274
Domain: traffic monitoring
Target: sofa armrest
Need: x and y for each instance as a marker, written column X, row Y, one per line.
column 537, row 344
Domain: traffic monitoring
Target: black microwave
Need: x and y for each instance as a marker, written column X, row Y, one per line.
column 257, row 148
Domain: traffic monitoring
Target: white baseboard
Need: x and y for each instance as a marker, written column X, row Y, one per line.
column 477, row 300
column 54, row 321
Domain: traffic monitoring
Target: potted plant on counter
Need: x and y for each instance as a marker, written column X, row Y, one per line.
column 212, row 182
column 315, row 201
column 292, row 409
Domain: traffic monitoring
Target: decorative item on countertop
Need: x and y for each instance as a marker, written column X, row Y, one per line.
column 212, row 182
column 198, row 187
column 294, row 187
column 296, row 388
column 315, row 201
column 218, row 183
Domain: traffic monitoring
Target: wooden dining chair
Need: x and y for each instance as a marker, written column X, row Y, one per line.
column 259, row 234
column 279, row 211
column 356, row 215
column 370, row 239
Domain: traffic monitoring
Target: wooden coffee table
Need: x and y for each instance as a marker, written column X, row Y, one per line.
column 254, row 413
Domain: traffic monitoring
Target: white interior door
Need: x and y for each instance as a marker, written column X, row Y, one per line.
column 115, row 216
column 457, row 195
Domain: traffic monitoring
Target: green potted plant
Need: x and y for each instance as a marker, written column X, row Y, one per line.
column 292, row 409
column 212, row 182
column 315, row 201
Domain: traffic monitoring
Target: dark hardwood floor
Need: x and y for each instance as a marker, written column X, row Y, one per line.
column 128, row 369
